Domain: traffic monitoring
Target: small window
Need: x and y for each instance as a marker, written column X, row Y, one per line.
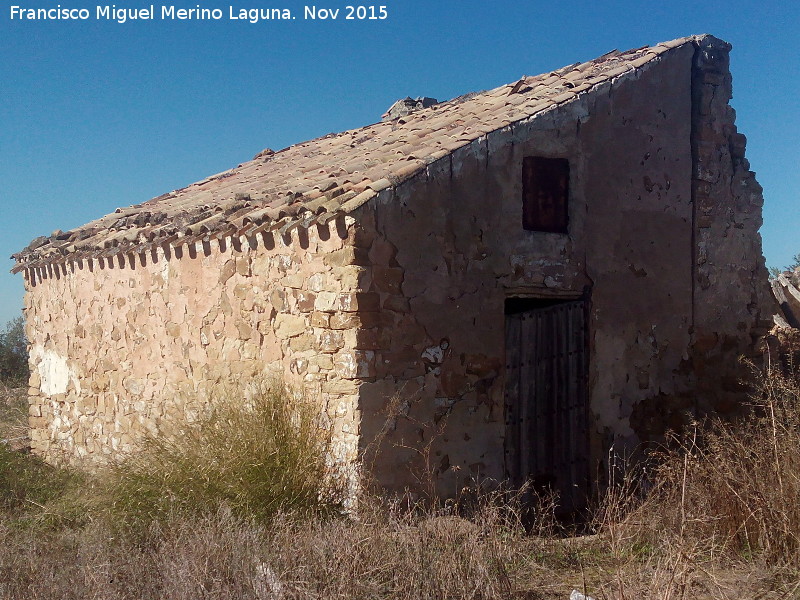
column 545, row 191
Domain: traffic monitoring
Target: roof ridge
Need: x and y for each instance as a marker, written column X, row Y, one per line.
column 316, row 180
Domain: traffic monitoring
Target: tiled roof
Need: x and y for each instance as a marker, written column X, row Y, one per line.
column 315, row 181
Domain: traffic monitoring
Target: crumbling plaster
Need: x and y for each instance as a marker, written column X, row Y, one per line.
column 731, row 282
column 461, row 252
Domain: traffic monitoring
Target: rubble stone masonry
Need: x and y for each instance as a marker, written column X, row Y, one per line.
column 130, row 345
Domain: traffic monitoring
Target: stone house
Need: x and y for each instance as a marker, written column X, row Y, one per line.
column 503, row 286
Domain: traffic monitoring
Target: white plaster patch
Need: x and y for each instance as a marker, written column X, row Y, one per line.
column 434, row 354
column 54, row 372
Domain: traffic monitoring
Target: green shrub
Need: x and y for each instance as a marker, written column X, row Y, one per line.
column 28, row 484
column 257, row 457
column 14, row 352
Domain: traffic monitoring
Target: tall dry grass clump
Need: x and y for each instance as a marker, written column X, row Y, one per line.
column 244, row 503
column 733, row 488
column 388, row 550
column 256, row 452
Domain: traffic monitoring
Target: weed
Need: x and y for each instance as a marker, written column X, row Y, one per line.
column 257, row 454
column 734, row 487
column 28, row 484
column 718, row 519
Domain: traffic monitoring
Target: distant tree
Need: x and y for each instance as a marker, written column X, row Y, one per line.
column 14, row 352
column 793, row 269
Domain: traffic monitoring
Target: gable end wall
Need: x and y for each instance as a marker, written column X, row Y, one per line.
column 658, row 278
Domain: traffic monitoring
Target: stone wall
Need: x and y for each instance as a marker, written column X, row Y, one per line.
column 731, row 283
column 663, row 267
column 126, row 346
column 457, row 252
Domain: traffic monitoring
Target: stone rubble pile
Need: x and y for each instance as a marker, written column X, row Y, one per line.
column 786, row 288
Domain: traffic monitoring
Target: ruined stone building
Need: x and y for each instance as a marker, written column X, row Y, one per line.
column 505, row 285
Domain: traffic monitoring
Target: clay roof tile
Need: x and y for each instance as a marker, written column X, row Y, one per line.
column 332, row 174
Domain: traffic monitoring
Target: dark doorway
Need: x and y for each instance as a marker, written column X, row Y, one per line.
column 547, row 440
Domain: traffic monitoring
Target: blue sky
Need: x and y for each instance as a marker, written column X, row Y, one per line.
column 97, row 115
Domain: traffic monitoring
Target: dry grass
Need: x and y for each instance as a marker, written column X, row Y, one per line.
column 13, row 415
column 719, row 520
column 257, row 452
column 387, row 552
column 722, row 515
column 734, row 489
column 393, row 555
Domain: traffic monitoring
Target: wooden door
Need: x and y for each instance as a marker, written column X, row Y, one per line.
column 546, row 401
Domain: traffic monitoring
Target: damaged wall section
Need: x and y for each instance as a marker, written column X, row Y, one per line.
column 457, row 250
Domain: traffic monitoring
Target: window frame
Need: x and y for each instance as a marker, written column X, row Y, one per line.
column 545, row 194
